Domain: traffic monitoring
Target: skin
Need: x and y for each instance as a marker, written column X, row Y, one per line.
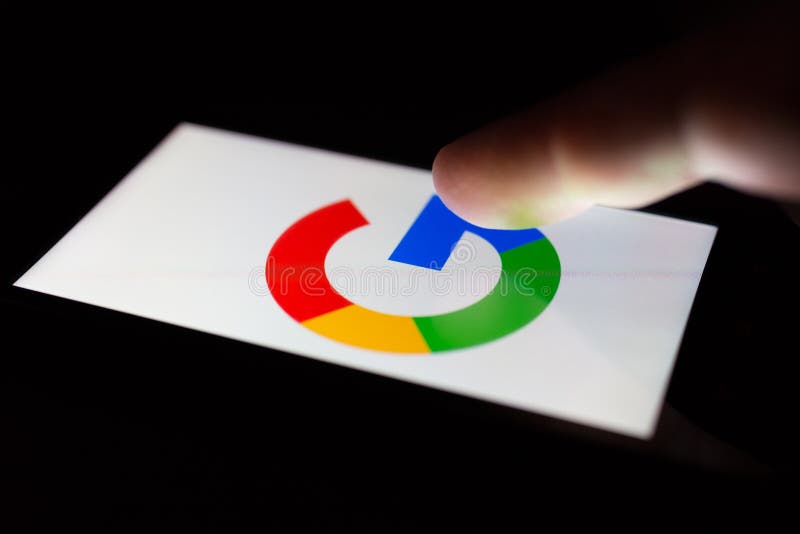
column 724, row 107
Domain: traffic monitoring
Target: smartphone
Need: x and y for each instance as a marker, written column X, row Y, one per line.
column 359, row 263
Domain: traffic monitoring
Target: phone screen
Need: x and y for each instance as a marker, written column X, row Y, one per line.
column 359, row 263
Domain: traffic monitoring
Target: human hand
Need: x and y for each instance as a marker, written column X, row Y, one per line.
column 722, row 107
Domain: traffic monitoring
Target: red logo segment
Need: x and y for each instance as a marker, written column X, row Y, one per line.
column 296, row 264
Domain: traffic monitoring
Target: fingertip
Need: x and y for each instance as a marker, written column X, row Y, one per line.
column 457, row 185
column 496, row 180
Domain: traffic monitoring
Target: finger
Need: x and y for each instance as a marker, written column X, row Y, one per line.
column 718, row 108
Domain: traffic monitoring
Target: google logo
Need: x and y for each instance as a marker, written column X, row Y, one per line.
column 296, row 278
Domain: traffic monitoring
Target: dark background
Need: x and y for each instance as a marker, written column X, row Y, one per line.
column 110, row 421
